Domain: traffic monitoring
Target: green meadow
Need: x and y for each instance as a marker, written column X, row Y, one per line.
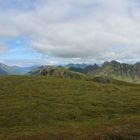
column 50, row 108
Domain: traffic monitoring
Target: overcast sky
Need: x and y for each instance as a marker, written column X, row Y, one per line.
column 65, row 31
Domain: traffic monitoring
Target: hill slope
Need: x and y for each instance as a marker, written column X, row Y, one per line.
column 56, row 72
column 40, row 108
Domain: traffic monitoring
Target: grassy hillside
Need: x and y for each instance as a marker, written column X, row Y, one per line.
column 48, row 108
column 56, row 72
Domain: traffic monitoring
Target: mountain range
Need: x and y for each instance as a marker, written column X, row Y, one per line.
column 14, row 70
column 113, row 69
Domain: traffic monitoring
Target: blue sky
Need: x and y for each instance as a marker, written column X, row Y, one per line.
column 18, row 49
column 41, row 32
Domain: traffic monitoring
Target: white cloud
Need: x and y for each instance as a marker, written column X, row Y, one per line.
column 88, row 30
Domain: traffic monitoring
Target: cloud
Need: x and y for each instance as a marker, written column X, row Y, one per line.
column 76, row 29
column 3, row 49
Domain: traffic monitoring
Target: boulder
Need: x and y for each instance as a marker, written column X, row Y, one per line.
column 103, row 80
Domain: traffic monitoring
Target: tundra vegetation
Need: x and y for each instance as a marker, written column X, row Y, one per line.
column 56, row 108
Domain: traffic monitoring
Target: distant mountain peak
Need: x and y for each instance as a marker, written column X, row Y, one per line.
column 10, row 70
column 2, row 64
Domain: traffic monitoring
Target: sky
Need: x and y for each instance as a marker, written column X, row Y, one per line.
column 47, row 32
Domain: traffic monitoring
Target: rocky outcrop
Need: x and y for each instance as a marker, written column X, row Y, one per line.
column 120, row 69
column 57, row 72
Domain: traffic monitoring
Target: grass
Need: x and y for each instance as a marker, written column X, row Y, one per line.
column 125, row 78
column 49, row 108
